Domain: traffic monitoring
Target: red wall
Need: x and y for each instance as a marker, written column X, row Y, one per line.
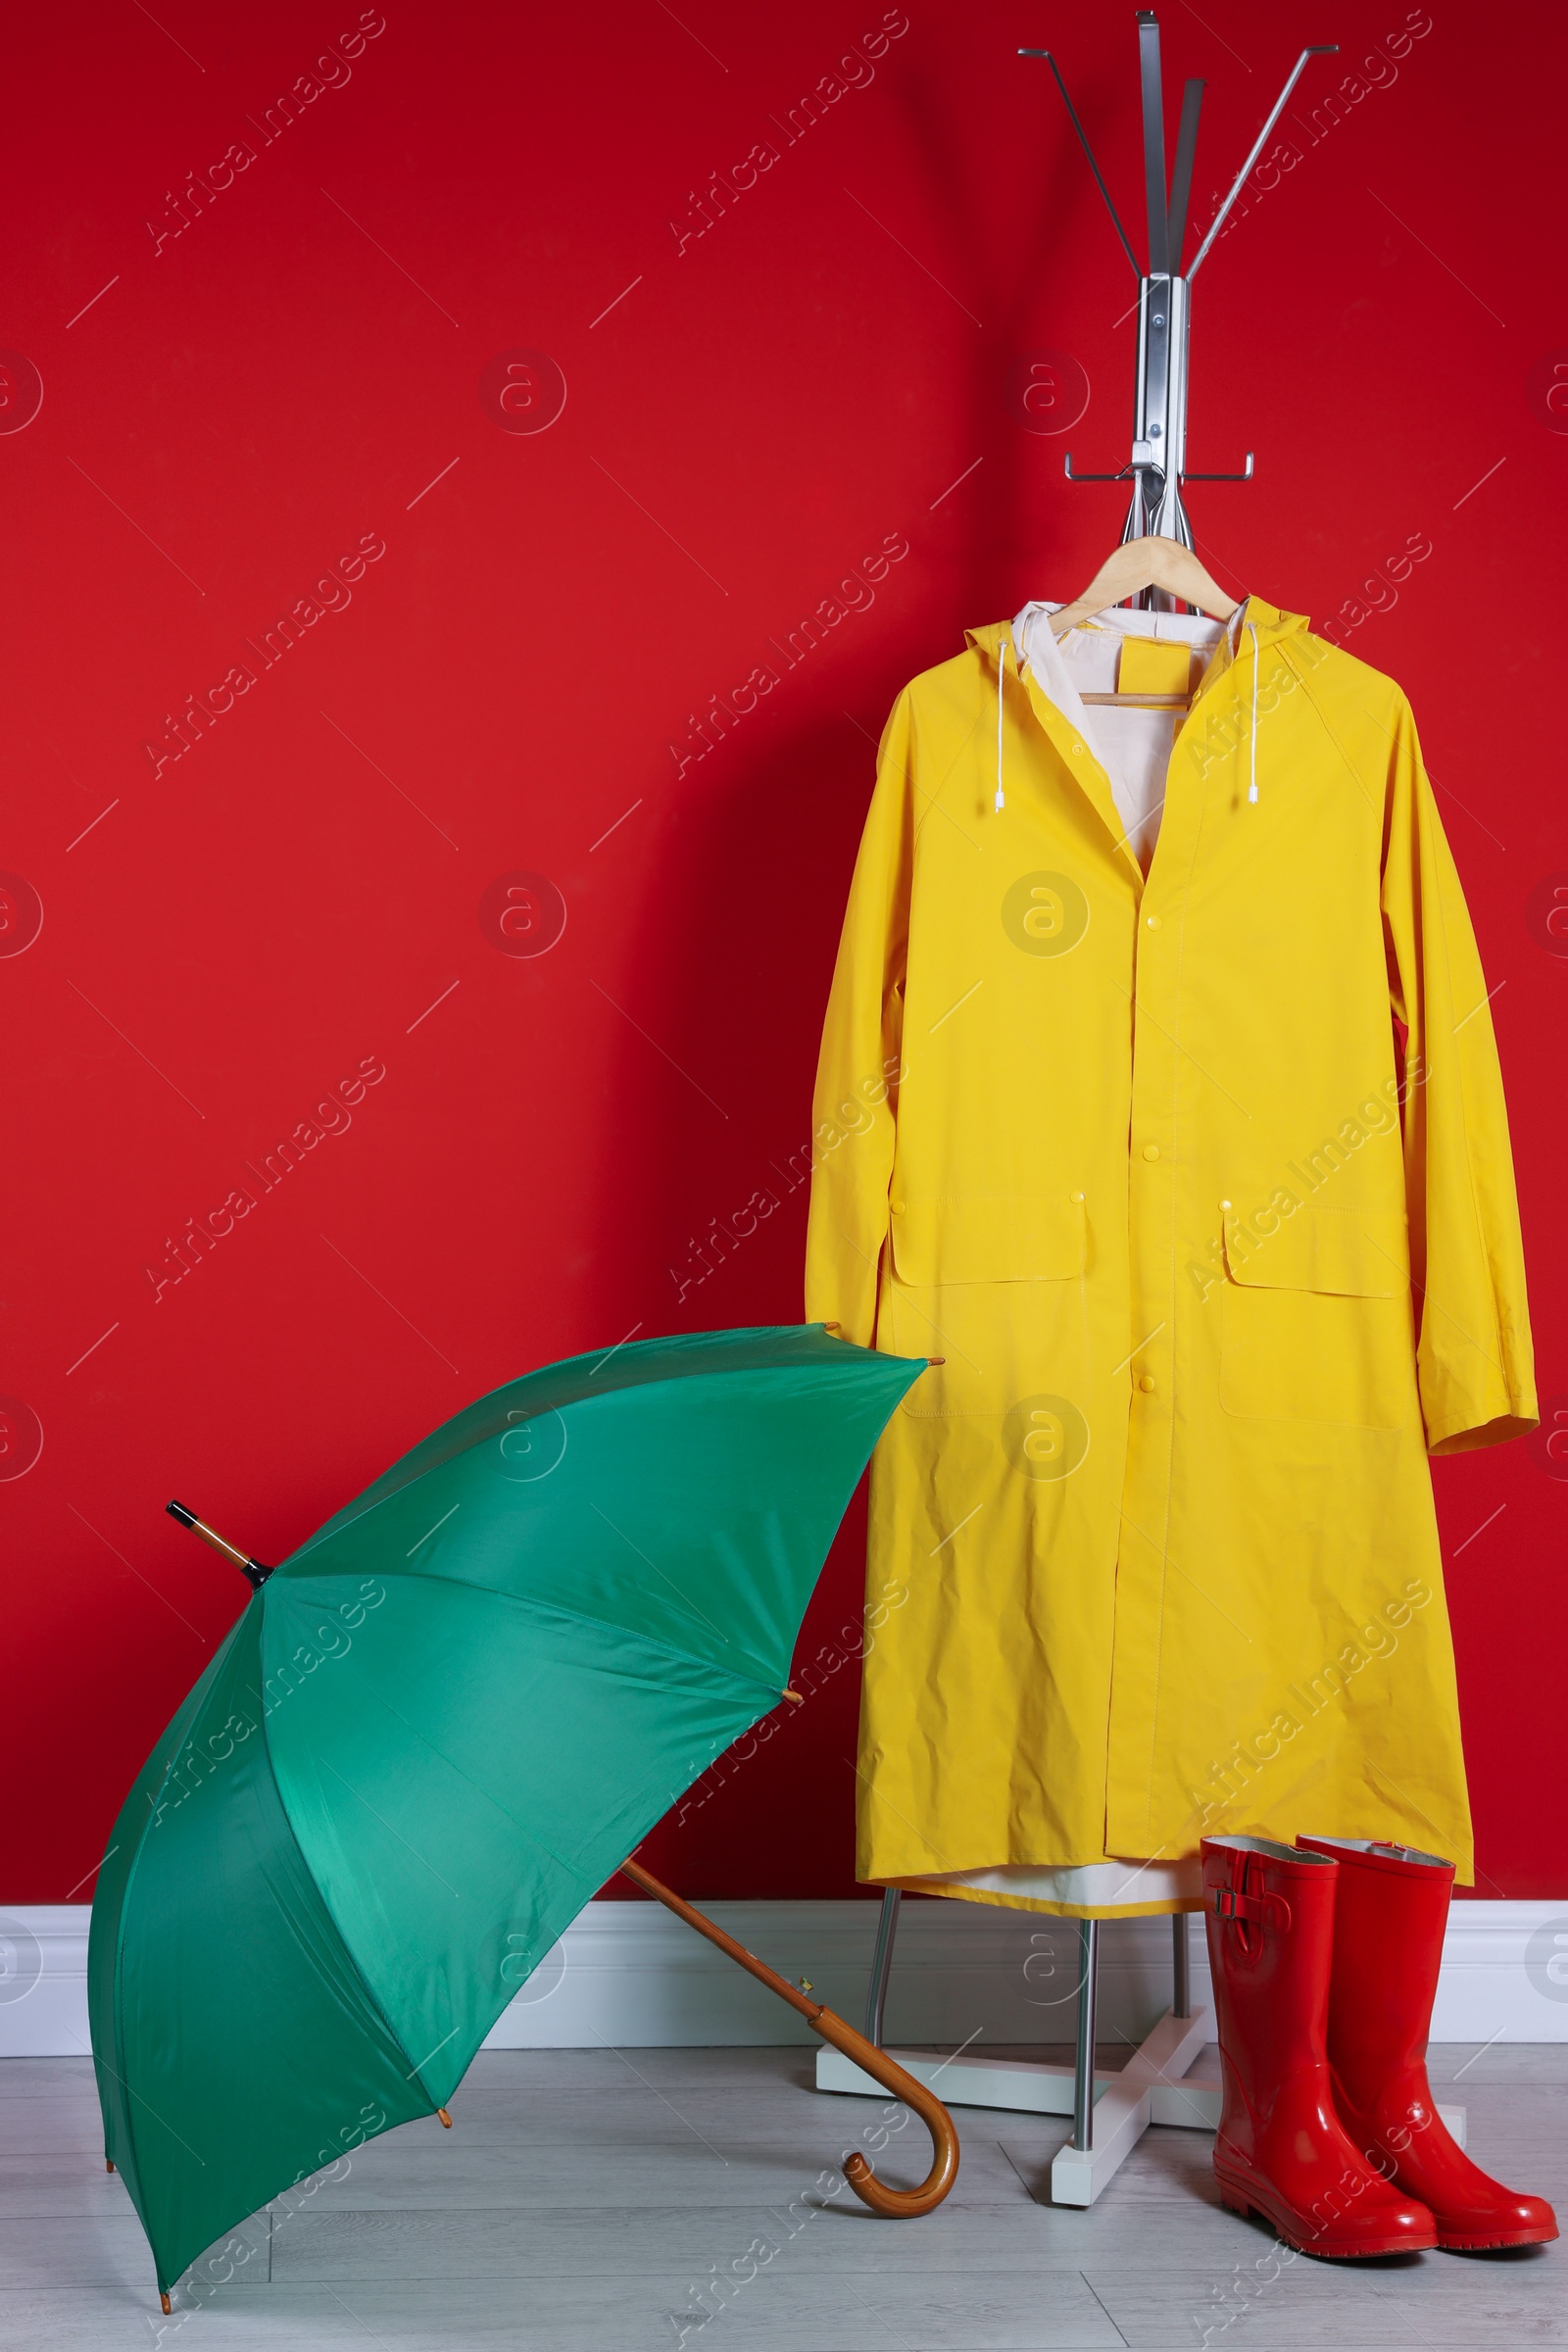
column 312, row 365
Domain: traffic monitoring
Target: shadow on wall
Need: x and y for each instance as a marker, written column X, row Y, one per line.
column 702, row 1207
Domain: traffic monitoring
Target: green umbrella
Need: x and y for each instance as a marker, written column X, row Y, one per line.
column 434, row 1732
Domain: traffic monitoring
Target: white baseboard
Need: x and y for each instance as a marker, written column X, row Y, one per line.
column 629, row 1974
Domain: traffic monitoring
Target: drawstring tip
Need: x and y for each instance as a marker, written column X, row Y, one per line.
column 1001, row 799
column 1252, row 794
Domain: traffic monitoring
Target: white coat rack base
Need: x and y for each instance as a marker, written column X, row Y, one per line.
column 1155, row 2086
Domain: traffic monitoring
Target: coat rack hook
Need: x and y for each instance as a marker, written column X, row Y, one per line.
column 1100, row 178
column 1159, row 464
column 1319, row 49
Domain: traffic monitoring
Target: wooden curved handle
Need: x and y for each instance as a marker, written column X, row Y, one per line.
column 895, row 2203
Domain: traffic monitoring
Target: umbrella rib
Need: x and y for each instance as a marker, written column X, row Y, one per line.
column 372, row 1996
column 397, row 1834
column 659, row 1572
column 582, row 1617
column 141, row 2101
column 429, row 2054
column 452, row 1514
column 177, row 1754
column 478, row 1787
column 555, row 1608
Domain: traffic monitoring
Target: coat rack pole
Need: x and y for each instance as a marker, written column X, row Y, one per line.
column 1082, row 2073
column 886, row 1928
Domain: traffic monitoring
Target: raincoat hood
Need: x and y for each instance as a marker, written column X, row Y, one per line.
column 1253, row 629
column 1271, row 621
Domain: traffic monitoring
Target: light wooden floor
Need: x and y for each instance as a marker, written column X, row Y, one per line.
column 586, row 2199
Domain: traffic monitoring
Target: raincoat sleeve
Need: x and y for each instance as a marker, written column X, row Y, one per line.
column 855, row 1106
column 1474, row 1361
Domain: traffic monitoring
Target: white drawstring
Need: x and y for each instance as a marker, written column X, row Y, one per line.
column 1001, row 665
column 1253, row 787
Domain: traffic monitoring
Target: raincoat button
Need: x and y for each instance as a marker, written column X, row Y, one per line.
column 1146, row 1384
column 1077, row 751
column 1224, row 1205
column 1075, row 1195
column 897, row 1207
column 1152, row 921
column 1151, row 1151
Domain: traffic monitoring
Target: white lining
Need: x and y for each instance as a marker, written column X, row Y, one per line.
column 1132, row 746
column 1086, row 1886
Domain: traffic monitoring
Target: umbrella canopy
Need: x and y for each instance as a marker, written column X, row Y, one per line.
column 435, row 1732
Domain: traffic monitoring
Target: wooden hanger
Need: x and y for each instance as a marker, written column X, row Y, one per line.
column 1137, row 564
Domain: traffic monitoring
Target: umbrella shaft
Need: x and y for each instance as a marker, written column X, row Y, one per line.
column 893, row 2202
column 810, row 2010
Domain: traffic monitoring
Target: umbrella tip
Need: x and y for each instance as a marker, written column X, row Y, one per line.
column 164, row 2300
column 445, row 2117
column 793, row 1696
column 254, row 1571
column 109, row 2164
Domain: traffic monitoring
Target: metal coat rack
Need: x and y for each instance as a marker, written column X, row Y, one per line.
column 1110, row 2111
column 1154, row 2086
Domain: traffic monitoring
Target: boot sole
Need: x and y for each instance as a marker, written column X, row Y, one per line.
column 1245, row 2200
column 1509, row 2237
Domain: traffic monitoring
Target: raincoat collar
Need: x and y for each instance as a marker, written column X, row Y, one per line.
column 1271, row 622
column 1255, row 622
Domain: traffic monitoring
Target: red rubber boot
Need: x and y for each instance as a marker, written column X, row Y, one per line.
column 1282, row 2150
column 1391, row 1906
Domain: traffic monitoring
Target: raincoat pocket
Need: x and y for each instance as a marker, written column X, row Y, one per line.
column 993, row 1282
column 1316, row 1318
column 988, row 1236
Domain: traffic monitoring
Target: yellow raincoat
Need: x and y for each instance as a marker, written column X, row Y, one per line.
column 1200, row 1184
